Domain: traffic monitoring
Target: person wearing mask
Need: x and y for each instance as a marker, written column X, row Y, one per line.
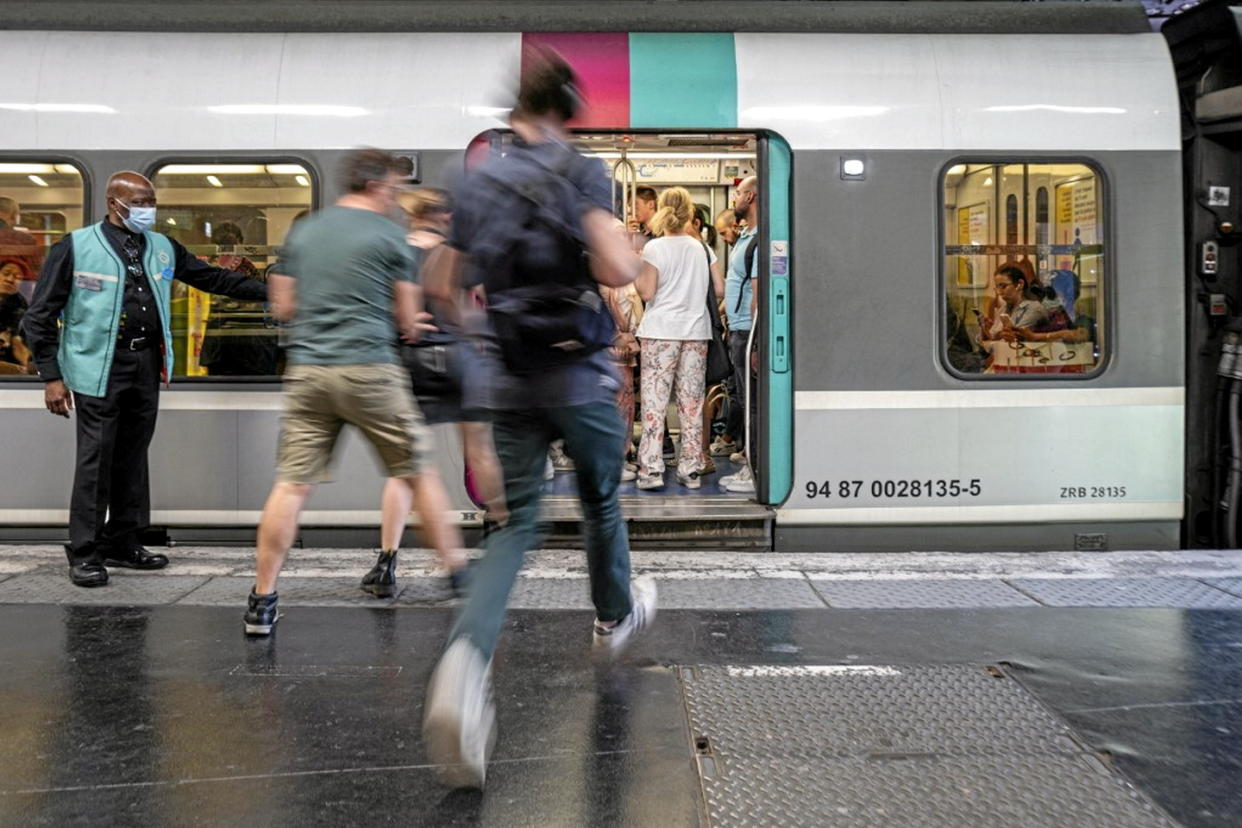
column 112, row 282
column 450, row 384
column 346, row 283
column 673, row 335
column 740, row 301
column 522, row 222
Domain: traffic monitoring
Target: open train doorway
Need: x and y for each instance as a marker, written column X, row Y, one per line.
column 742, row 454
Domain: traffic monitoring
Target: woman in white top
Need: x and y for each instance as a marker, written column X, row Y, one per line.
column 673, row 337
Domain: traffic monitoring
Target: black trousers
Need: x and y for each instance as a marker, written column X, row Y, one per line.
column 736, row 424
column 111, row 502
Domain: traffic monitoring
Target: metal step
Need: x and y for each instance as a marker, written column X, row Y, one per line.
column 669, row 521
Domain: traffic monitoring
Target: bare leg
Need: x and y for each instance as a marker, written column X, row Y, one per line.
column 395, row 504
column 440, row 532
column 277, row 528
column 476, row 442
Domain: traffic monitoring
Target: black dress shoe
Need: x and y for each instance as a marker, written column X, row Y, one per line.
column 88, row 574
column 381, row 581
column 135, row 558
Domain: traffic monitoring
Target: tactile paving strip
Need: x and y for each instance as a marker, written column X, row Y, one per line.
column 551, row 593
column 865, row 745
column 1233, row 585
column 293, row 591
column 1183, row 593
column 121, row 590
column 921, row 594
column 737, row 593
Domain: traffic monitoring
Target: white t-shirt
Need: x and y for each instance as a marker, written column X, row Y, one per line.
column 679, row 308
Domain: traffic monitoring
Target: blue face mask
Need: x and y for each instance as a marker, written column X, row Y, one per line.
column 140, row 219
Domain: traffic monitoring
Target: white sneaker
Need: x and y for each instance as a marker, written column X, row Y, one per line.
column 459, row 724
column 609, row 642
column 720, row 448
column 648, row 484
column 743, row 482
column 690, row 481
column 725, row 481
column 738, row 457
column 549, row 471
column 631, row 467
column 627, row 475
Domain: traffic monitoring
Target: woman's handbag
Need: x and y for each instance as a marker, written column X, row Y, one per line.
column 719, row 368
column 435, row 368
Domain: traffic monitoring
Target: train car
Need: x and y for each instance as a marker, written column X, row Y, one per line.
column 902, row 160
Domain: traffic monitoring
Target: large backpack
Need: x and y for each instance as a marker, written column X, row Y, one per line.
column 748, row 262
column 542, row 301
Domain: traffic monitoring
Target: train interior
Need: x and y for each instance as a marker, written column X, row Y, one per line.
column 709, row 166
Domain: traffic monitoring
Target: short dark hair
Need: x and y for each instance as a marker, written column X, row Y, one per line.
column 646, row 193
column 549, row 85
column 366, row 165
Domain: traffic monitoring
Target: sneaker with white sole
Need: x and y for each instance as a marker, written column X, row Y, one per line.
column 721, row 448
column 627, row 475
column 459, row 725
column 737, row 457
column 690, row 481
column 742, row 483
column 607, row 643
column 648, row 484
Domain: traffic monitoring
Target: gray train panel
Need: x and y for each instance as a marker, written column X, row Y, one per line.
column 868, row 300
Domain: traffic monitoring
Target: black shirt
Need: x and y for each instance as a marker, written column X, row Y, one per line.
column 139, row 315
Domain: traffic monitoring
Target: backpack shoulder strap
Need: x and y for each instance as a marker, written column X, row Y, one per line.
column 748, row 259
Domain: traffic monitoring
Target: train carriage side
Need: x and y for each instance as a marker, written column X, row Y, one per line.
column 923, row 164
column 883, row 142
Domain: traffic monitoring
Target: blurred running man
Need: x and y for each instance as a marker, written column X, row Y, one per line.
column 525, row 222
column 347, row 272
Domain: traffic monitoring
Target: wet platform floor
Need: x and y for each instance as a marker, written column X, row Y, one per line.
column 168, row 716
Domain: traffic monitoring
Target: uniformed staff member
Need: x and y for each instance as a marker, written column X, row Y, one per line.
column 111, row 280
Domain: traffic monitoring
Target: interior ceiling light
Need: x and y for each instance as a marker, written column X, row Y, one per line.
column 285, row 169
column 325, row 110
column 35, row 179
column 656, row 155
column 90, row 109
column 208, row 169
column 25, row 169
column 213, row 181
column 301, row 179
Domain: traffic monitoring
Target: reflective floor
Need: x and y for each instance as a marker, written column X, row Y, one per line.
column 169, row 716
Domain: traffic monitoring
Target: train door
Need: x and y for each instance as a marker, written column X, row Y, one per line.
column 710, row 166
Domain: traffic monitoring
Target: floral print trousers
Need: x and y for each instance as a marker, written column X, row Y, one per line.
column 672, row 366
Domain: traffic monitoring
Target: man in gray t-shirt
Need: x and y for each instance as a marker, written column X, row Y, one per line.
column 346, row 285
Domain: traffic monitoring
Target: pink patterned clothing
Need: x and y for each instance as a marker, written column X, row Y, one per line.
column 668, row 366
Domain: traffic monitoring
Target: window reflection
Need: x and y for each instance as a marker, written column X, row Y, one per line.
column 235, row 216
column 1024, row 269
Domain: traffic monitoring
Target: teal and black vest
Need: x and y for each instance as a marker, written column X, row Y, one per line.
column 93, row 313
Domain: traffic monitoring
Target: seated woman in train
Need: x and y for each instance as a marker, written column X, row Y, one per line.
column 1017, row 305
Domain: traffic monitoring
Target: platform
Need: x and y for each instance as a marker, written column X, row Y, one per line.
column 947, row 690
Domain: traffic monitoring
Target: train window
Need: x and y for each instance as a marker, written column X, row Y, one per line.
column 39, row 204
column 234, row 215
column 1024, row 256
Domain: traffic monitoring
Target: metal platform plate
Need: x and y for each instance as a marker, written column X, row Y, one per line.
column 121, row 590
column 920, row 594
column 1183, row 593
column 861, row 745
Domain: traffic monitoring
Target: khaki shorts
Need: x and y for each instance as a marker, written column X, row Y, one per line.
column 320, row 399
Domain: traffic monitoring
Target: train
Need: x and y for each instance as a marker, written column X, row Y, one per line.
column 902, row 160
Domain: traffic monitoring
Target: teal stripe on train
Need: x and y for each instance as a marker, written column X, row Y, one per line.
column 683, row 80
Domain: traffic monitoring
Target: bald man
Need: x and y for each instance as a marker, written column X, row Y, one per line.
column 112, row 280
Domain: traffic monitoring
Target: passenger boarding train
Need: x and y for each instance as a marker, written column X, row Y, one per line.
column 898, row 171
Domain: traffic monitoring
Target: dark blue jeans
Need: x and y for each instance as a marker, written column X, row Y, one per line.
column 593, row 438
